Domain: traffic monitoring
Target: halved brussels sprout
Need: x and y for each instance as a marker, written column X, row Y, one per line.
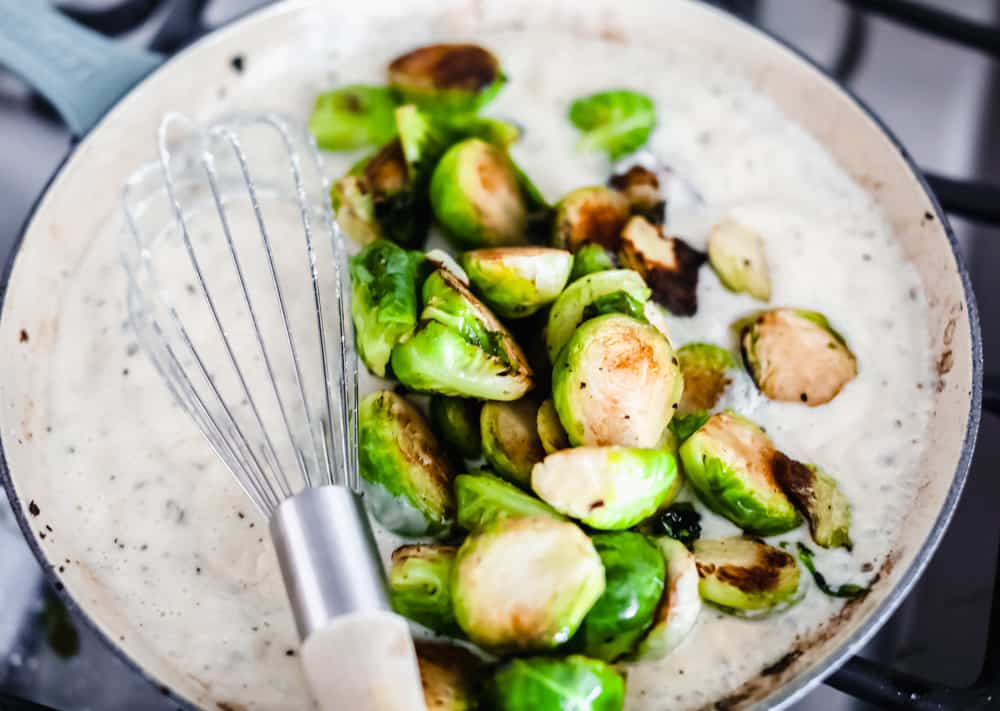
column 591, row 215
column 591, row 258
column 455, row 420
column 796, row 356
column 634, row 571
column 525, row 583
column 420, row 585
column 679, row 606
column 450, row 78
column 477, row 197
column 353, row 116
column 641, row 187
column 569, row 309
column 450, row 676
column 608, row 488
column 745, row 574
column 818, row 499
column 616, row 382
column 518, row 281
column 705, row 368
column 572, row 683
column 510, row 438
column 617, row 121
column 484, row 499
column 383, row 300
column 730, row 463
column 668, row 264
column 550, row 429
column 737, row 255
column 407, row 475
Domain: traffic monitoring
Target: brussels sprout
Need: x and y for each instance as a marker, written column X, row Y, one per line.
column 592, row 258
column 525, row 583
column 705, row 368
column 592, row 215
column 518, row 281
column 353, row 116
column 477, row 197
column 569, row 309
column 383, row 300
column 407, row 476
column 618, row 302
column 572, row 683
column 450, row 78
column 634, row 571
column 679, row 606
column 450, row 676
column 460, row 348
column 668, row 264
column 455, row 421
column 617, row 122
column 420, row 585
column 818, row 499
column 737, row 255
column 680, row 521
column 745, row 574
column 609, row 488
column 641, row 187
column 730, row 463
column 550, row 430
column 795, row 356
column 616, row 382
column 484, row 499
column 510, row 438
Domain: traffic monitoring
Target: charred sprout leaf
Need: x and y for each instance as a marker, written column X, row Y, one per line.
column 707, row 370
column 550, row 430
column 455, row 421
column 744, row 574
column 383, row 300
column 568, row 310
column 730, row 463
column 795, row 355
column 608, row 488
column 592, row 258
column 591, row 215
column 573, row 683
column 518, row 281
column 447, row 78
column 616, row 382
column 618, row 122
column 679, row 606
column 420, row 586
column 407, row 475
column 737, row 255
column 683, row 426
column 619, row 302
column 525, row 583
column 668, row 264
column 641, row 187
column 484, row 499
column 818, row 499
column 353, row 116
column 680, row 521
column 634, row 571
column 847, row 590
column 477, row 196
column 510, row 438
column 450, row 676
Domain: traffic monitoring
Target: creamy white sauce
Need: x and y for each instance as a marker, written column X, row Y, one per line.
column 187, row 559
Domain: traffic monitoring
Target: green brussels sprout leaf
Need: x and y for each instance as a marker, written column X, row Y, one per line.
column 683, row 426
column 353, row 116
column 618, row 302
column 737, row 255
column 591, row 258
column 420, row 586
column 847, row 590
column 483, row 499
column 557, row 684
column 618, row 122
column 680, row 521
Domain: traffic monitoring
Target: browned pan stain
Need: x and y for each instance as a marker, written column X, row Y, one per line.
column 23, row 338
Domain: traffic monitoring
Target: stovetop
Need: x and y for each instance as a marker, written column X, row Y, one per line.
column 939, row 96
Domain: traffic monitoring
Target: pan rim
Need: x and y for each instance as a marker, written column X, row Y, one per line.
column 787, row 693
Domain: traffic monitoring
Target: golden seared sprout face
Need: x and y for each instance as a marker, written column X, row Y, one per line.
column 795, row 355
column 745, row 575
column 525, row 583
column 641, row 187
column 518, row 281
column 737, row 255
column 617, row 381
column 450, row 78
column 591, row 215
column 707, row 371
column 668, row 264
column 510, row 442
column 450, row 676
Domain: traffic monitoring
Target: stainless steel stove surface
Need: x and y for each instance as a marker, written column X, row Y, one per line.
column 940, row 98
